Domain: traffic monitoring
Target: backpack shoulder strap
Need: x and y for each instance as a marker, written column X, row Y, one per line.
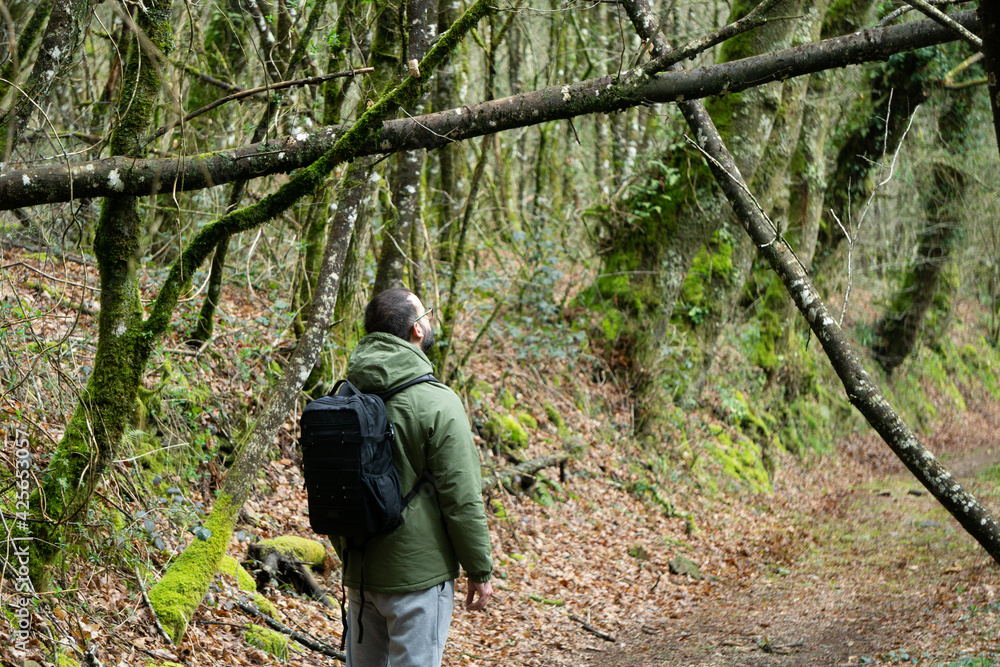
column 395, row 390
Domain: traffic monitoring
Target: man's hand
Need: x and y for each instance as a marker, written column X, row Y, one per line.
column 485, row 590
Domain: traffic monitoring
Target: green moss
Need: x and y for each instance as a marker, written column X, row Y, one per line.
column 178, row 594
column 527, row 419
column 514, row 434
column 713, row 265
column 229, row 565
column 63, row 660
column 611, row 324
column 164, row 663
column 265, row 605
column 507, row 399
column 498, row 508
column 557, row 420
column 740, row 461
column 299, row 548
column 268, row 640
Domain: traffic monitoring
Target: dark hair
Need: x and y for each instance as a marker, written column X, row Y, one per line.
column 391, row 312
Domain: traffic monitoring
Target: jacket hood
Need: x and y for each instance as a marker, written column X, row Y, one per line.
column 382, row 361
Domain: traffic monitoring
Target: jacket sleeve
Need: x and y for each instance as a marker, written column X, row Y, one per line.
column 452, row 457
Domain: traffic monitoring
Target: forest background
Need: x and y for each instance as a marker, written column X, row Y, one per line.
column 199, row 199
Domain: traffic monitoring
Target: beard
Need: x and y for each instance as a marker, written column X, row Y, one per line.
column 427, row 342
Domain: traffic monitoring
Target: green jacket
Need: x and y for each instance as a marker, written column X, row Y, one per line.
column 444, row 525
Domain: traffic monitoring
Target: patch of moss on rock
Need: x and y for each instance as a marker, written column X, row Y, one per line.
column 514, row 433
column 527, row 419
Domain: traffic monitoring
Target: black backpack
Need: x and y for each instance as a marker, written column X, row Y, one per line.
column 351, row 481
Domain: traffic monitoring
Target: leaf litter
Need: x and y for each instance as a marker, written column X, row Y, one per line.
column 841, row 564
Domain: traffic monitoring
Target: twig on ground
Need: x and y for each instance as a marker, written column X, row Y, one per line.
column 308, row 642
column 592, row 630
column 145, row 597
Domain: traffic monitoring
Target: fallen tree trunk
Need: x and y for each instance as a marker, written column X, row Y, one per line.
column 142, row 177
column 861, row 389
column 526, row 469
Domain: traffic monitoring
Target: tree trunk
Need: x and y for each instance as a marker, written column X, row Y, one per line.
column 899, row 329
column 397, row 251
column 61, row 41
column 95, row 430
column 768, row 182
column 183, row 586
column 25, row 43
column 780, row 351
column 206, row 316
column 656, row 248
column 989, row 21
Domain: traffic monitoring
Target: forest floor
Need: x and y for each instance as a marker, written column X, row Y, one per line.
column 846, row 560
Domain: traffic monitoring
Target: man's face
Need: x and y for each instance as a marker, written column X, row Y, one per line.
column 424, row 322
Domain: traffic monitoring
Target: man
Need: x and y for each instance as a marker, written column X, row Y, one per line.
column 408, row 575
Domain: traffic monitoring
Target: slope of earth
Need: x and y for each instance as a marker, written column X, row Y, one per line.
column 839, row 565
column 874, row 572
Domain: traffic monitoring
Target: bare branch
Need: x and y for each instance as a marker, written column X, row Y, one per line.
column 754, row 19
column 281, row 85
column 936, row 14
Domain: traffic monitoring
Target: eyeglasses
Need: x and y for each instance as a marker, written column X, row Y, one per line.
column 425, row 314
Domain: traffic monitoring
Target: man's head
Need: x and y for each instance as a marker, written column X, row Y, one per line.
column 399, row 312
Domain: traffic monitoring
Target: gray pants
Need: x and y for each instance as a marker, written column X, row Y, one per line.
column 400, row 629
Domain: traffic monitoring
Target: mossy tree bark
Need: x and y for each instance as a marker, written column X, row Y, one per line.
column 177, row 595
column 723, row 291
column 397, row 250
column 922, row 287
column 145, row 177
column 60, row 44
column 648, row 250
column 108, row 401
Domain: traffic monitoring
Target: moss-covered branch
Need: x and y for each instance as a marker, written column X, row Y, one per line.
column 148, row 177
column 305, row 180
column 107, row 403
column 179, row 593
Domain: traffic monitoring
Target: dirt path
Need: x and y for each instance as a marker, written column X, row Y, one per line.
column 874, row 573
